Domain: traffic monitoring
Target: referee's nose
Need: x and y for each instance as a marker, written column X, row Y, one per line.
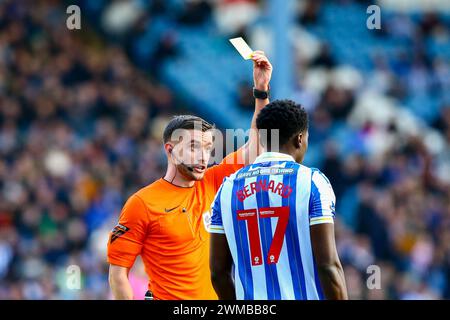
column 205, row 156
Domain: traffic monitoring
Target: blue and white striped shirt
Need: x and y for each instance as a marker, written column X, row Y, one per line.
column 265, row 210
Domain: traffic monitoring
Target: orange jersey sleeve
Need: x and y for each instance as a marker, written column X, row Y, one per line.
column 230, row 164
column 128, row 236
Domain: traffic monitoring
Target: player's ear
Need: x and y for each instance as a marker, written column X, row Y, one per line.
column 298, row 140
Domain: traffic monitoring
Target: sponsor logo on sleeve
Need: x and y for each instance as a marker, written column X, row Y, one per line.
column 118, row 230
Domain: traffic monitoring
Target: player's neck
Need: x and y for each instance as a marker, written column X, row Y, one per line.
column 176, row 178
column 280, row 150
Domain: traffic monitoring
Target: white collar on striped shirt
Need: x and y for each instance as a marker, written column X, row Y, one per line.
column 273, row 156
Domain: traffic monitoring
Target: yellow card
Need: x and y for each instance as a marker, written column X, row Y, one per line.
column 242, row 47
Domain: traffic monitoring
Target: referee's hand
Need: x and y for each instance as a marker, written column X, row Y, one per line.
column 262, row 70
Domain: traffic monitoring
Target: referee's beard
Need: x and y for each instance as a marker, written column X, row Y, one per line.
column 189, row 175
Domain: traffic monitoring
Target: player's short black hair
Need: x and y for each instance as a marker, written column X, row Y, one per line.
column 287, row 116
column 185, row 122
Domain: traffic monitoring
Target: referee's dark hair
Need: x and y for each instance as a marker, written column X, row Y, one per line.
column 185, row 122
column 289, row 117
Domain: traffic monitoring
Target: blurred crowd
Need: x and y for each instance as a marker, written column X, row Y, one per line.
column 80, row 130
column 389, row 166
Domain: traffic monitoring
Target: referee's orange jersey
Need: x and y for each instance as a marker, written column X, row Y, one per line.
column 166, row 225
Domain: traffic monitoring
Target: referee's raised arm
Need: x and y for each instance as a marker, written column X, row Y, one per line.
column 262, row 73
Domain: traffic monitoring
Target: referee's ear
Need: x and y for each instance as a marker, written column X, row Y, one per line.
column 168, row 147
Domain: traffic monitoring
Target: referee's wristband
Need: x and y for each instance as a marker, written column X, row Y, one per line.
column 259, row 94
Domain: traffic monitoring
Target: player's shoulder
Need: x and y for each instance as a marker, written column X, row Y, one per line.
column 318, row 176
column 320, row 183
